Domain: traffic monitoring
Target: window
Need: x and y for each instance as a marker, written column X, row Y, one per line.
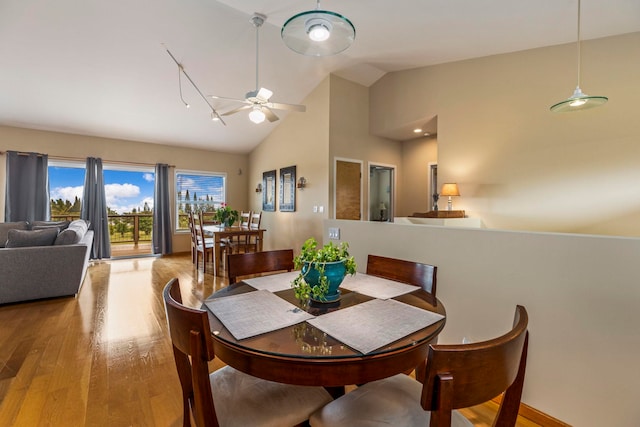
column 197, row 191
column 66, row 184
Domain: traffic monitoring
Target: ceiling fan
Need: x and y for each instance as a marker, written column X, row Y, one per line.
column 258, row 100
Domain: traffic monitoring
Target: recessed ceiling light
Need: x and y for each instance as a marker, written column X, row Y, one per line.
column 427, row 134
column 418, row 130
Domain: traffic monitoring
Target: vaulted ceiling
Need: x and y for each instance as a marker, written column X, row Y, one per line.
column 100, row 68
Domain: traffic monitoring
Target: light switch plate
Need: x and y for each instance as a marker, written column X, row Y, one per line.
column 334, row 233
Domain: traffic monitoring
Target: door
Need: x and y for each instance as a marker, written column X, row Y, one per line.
column 381, row 189
column 348, row 195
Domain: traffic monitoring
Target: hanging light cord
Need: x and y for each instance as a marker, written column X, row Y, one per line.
column 214, row 113
column 579, row 48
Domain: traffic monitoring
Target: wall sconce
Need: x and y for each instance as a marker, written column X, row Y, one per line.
column 302, row 182
column 259, row 188
column 450, row 189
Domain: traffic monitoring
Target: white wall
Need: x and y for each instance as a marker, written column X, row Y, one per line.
column 582, row 293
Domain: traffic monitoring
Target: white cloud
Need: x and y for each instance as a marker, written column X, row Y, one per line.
column 115, row 192
column 148, row 177
column 66, row 193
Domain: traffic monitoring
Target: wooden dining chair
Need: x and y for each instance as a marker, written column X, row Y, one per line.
column 258, row 262
column 412, row 273
column 204, row 244
column 192, row 232
column 239, row 243
column 253, row 241
column 228, row 397
column 457, row 376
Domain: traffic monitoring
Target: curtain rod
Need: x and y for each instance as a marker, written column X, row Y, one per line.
column 116, row 162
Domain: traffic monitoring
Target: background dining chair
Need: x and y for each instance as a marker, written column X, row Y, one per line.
column 259, row 262
column 239, row 243
column 204, row 244
column 252, row 242
column 412, row 273
column 228, row 397
column 457, row 376
column 194, row 242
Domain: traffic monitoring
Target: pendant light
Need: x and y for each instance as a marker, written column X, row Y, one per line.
column 318, row 32
column 578, row 101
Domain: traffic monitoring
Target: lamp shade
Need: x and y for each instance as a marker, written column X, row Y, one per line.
column 450, row 189
column 318, row 33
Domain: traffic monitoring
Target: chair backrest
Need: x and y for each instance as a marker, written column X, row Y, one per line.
column 245, row 218
column 412, row 273
column 192, row 229
column 459, row 376
column 258, row 262
column 256, row 219
column 192, row 349
column 200, row 229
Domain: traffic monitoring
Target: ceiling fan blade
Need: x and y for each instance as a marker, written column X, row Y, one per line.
column 235, row 110
column 289, row 107
column 270, row 115
column 227, row 99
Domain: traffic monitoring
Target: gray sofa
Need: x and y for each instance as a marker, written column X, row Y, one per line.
column 54, row 267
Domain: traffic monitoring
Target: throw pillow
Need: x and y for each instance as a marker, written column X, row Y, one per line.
column 40, row 225
column 69, row 236
column 6, row 226
column 24, row 238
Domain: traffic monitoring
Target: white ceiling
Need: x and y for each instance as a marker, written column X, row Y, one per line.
column 99, row 68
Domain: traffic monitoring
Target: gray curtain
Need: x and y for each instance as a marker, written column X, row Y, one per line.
column 162, row 232
column 27, row 187
column 94, row 208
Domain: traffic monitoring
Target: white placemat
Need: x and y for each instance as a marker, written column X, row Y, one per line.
column 374, row 324
column 376, row 287
column 254, row 313
column 274, row 282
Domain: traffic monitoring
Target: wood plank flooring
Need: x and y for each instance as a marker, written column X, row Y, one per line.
column 104, row 358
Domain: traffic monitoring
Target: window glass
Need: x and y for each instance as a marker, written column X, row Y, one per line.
column 197, row 191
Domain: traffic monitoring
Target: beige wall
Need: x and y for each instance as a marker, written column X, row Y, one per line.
column 413, row 188
column 79, row 146
column 302, row 139
column 581, row 293
column 518, row 165
column 350, row 137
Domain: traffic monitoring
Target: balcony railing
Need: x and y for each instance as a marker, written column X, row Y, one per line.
column 125, row 231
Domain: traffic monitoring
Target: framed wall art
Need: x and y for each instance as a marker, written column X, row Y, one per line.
column 288, row 189
column 269, row 191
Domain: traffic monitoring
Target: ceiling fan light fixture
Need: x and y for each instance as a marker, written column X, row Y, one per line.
column 256, row 115
column 318, row 32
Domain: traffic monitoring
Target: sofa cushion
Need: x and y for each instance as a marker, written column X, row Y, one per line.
column 41, row 225
column 23, row 238
column 6, row 226
column 73, row 234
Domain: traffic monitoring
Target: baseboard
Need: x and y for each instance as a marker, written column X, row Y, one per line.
column 536, row 416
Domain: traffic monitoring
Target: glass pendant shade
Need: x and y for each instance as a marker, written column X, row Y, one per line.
column 578, row 101
column 318, row 33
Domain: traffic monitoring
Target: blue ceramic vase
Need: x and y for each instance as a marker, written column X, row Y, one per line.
column 335, row 272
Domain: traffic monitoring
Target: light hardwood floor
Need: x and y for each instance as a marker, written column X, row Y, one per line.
column 104, row 358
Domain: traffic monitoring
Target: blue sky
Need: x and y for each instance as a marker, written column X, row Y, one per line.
column 125, row 190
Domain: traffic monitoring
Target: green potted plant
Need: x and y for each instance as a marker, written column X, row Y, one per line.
column 225, row 215
column 322, row 270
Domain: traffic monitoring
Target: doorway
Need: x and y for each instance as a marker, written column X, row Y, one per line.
column 381, row 192
column 348, row 193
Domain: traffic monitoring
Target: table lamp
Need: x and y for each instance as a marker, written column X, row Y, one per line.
column 450, row 189
column 383, row 208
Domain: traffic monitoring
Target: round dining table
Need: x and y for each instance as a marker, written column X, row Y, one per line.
column 304, row 355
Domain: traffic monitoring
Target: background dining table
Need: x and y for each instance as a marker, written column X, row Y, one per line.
column 219, row 233
column 404, row 318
